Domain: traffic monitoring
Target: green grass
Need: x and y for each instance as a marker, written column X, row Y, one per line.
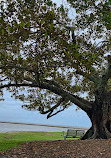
column 14, row 139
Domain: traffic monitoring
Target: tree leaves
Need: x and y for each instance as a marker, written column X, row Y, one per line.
column 49, row 3
column 39, row 44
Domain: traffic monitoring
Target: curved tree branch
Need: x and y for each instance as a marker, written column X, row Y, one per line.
column 18, row 85
column 50, row 114
column 80, row 102
column 102, row 43
column 50, row 111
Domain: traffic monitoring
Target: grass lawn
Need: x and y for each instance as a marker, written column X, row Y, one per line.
column 9, row 140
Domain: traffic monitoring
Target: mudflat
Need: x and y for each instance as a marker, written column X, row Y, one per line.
column 63, row 149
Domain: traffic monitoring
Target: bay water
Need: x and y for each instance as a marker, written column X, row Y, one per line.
column 11, row 127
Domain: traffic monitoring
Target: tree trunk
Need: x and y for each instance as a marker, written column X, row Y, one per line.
column 100, row 117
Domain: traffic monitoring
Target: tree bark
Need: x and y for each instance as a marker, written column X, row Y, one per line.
column 100, row 117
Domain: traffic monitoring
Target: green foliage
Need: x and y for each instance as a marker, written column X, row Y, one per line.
column 107, row 15
column 45, row 53
column 49, row 3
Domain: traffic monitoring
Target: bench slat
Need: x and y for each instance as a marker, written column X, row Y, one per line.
column 71, row 133
column 80, row 133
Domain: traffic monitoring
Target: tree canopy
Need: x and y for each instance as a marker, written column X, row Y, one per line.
column 56, row 60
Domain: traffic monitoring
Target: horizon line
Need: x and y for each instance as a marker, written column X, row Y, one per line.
column 47, row 125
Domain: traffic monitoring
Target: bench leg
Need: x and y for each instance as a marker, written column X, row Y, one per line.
column 64, row 137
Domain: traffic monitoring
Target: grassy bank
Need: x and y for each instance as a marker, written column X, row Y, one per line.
column 9, row 140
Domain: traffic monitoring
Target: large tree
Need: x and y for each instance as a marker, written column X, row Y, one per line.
column 50, row 61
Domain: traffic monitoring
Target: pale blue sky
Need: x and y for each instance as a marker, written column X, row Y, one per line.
column 10, row 110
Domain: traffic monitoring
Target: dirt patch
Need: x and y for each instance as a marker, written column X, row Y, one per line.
column 50, row 134
column 63, row 149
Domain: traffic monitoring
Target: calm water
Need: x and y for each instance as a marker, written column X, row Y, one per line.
column 7, row 127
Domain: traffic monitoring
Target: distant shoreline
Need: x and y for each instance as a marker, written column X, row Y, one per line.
column 33, row 124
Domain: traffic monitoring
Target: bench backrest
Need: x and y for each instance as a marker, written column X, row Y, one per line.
column 71, row 132
column 80, row 133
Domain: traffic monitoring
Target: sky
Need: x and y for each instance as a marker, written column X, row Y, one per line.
column 11, row 110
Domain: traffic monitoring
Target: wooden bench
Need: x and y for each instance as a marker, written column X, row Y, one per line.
column 73, row 133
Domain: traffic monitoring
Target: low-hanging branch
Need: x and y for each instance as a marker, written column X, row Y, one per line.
column 50, row 111
column 86, row 106
column 50, row 114
column 59, row 91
